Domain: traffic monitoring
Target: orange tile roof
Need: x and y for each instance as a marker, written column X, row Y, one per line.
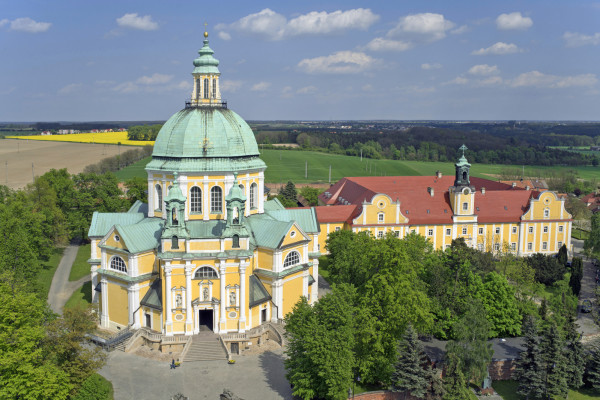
column 339, row 213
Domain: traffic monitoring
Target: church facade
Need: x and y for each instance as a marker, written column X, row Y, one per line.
column 208, row 251
column 488, row 215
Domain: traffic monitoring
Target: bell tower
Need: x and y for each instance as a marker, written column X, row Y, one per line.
column 206, row 91
column 462, row 193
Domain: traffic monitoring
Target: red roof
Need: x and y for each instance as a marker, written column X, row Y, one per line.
column 339, row 213
column 500, row 203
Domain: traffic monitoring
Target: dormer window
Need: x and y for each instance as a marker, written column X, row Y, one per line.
column 118, row 264
column 380, row 218
column 175, row 242
column 236, row 242
column 465, row 206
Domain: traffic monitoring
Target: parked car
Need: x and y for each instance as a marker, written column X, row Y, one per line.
column 586, row 306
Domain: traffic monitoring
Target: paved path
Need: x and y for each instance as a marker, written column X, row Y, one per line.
column 61, row 289
column 586, row 323
column 259, row 376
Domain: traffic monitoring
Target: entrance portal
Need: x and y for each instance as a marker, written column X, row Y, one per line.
column 205, row 320
column 263, row 315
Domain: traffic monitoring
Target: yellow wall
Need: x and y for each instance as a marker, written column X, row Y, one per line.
column 118, row 306
column 292, row 290
column 147, row 263
column 297, row 236
column 265, row 259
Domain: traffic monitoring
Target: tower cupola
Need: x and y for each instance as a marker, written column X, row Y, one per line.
column 462, row 169
column 206, row 75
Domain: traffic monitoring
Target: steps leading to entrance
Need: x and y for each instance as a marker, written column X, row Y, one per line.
column 205, row 347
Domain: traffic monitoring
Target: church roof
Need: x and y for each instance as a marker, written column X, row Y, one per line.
column 153, row 297
column 142, row 236
column 305, row 217
column 103, row 222
column 206, row 63
column 267, row 232
column 340, row 213
column 258, row 293
column 138, row 207
column 500, row 203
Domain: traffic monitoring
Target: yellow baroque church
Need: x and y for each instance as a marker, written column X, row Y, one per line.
column 489, row 215
column 208, row 252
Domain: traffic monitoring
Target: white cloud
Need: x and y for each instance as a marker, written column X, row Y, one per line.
column 224, row 35
column 484, row 70
column 70, row 88
column 134, row 21
column 155, row 79
column 260, row 86
column 499, row 48
column 428, row 67
column 425, row 26
column 307, row 90
column 126, row 87
column 381, row 44
column 274, row 26
column 459, row 80
column 492, row 80
column 513, row 21
column 574, row 39
column 26, row 25
column 460, row 30
column 230, row 86
column 341, row 62
column 539, row 79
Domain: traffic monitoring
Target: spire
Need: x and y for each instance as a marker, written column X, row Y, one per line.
column 462, row 169
column 206, row 75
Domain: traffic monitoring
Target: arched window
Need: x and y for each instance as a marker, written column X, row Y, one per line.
column 253, row 196
column 464, row 175
column 206, row 272
column 216, row 199
column 546, row 212
column 174, row 217
column 174, row 242
column 206, row 88
column 118, row 264
column 214, row 89
column 236, row 242
column 291, row 259
column 158, row 197
column 196, row 200
column 197, row 89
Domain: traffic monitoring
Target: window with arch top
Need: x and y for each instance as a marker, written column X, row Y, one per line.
column 214, row 88
column 174, row 242
column 196, row 200
column 216, row 199
column 197, row 89
column 118, row 264
column 206, row 273
column 546, row 212
column 205, row 88
column 293, row 258
column 253, row 196
column 158, row 197
column 236, row 242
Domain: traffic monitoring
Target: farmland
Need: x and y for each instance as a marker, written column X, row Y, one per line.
column 284, row 165
column 100, row 138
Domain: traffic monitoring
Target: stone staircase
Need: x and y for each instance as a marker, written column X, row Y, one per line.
column 205, row 347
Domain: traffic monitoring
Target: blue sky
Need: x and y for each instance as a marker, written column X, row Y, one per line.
column 468, row 60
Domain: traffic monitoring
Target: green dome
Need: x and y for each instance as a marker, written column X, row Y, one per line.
column 206, row 63
column 205, row 139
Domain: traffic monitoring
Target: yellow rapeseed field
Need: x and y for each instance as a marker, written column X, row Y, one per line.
column 102, row 138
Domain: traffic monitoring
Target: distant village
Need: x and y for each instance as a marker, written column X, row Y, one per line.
column 71, row 131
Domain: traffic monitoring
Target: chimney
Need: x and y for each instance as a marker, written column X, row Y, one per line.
column 430, row 190
column 482, row 190
column 514, row 184
column 438, row 174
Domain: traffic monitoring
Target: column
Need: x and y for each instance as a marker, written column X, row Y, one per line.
column 130, row 305
column 223, row 297
column 104, row 293
column 242, row 327
column 205, row 200
column 315, row 286
column 188, row 300
column 169, row 316
column 94, row 270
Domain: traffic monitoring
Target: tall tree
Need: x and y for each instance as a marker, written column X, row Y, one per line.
column 498, row 298
column 529, row 370
column 563, row 255
column 470, row 347
column 552, row 349
column 575, row 355
column 592, row 370
column 137, row 189
column 409, row 375
column 592, row 244
column 455, row 383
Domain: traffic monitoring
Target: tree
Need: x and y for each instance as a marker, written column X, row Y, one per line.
column 455, row 384
column 409, row 375
column 288, row 195
column 575, row 355
column 470, row 349
column 592, row 370
column 94, row 388
column 552, row 351
column 498, row 298
column 547, row 268
column 137, row 189
column 529, row 371
column 563, row 255
column 311, row 195
column 576, row 275
column 592, row 244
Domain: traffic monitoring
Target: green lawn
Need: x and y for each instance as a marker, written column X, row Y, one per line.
column 508, row 391
column 284, row 165
column 82, row 296
column 47, row 271
column 80, row 267
column 579, row 234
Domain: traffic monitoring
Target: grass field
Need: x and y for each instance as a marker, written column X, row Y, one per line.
column 508, row 391
column 579, row 234
column 284, row 165
column 47, row 271
column 80, row 266
column 82, row 296
column 101, row 138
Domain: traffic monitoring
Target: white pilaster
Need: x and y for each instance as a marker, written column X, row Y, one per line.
column 205, row 200
column 169, row 316
column 223, row 296
column 94, row 271
column 104, row 320
column 242, row 302
column 188, row 299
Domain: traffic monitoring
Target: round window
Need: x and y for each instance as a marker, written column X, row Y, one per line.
column 117, row 238
column 293, row 234
column 466, row 191
column 381, row 205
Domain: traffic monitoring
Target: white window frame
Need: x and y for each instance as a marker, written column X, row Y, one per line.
column 481, row 231
column 545, row 229
column 546, row 213
column 464, row 230
column 465, row 206
column 379, row 234
column 253, row 196
column 544, row 245
column 215, row 192
column 530, row 230
column 115, row 264
column 514, row 230
column 448, row 231
column 291, row 259
column 158, row 197
column 529, row 246
column 380, row 218
column 195, row 200
column 560, row 228
column 429, row 232
column 497, row 230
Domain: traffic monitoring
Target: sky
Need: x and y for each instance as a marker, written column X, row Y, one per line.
column 73, row 60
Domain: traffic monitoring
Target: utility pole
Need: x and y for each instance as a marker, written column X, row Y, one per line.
column 306, row 169
column 32, row 173
column 330, row 174
column 6, row 171
column 360, row 155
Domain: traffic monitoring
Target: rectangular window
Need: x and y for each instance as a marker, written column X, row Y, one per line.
column 397, row 233
column 465, row 206
column 514, row 229
column 513, row 246
column 529, row 246
column 560, row 228
column 464, row 231
column 497, row 231
column 480, row 246
column 544, row 245
column 546, row 213
column 496, row 246
column 380, row 217
column 531, row 229
column 430, row 232
column 337, row 228
column 448, row 232
column 481, row 231
column 380, row 234
column 545, row 229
